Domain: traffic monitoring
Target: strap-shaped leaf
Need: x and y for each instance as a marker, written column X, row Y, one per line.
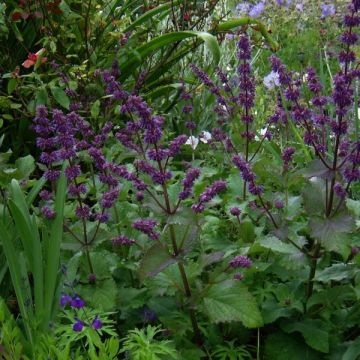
column 233, row 23
column 53, row 249
column 147, row 49
column 30, row 238
column 149, row 15
column 19, row 278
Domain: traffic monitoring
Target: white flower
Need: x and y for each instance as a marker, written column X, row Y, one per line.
column 205, row 137
column 271, row 80
column 358, row 113
column 192, row 141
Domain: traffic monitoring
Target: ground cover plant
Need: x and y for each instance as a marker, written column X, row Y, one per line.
column 179, row 180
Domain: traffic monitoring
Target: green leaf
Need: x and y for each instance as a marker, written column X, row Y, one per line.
column 353, row 350
column 156, row 259
column 317, row 169
column 234, row 23
column 147, row 49
column 95, row 109
column 19, row 279
column 272, row 310
column 332, row 232
column 314, row 332
column 314, row 196
column 247, row 232
column 53, row 251
column 11, row 86
column 41, row 96
column 230, row 301
column 275, row 244
column 336, row 272
column 280, row 346
column 149, row 15
column 25, row 166
column 61, row 97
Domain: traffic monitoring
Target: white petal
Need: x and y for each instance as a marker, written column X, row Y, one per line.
column 192, row 141
column 205, row 137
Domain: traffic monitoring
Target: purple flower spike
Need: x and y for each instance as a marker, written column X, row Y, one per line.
column 77, row 302
column 78, row 326
column 47, row 212
column 147, row 227
column 122, row 240
column 240, row 261
column 97, row 323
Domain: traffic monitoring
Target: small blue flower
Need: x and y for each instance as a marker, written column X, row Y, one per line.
column 78, row 326
column 97, row 323
column 77, row 302
column 65, row 299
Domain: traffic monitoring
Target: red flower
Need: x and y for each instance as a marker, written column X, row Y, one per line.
column 33, row 58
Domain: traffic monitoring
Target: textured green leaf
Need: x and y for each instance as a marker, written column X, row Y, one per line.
column 280, row 346
column 231, row 301
column 275, row 244
column 314, row 332
column 156, row 259
column 353, row 350
column 61, row 97
column 337, row 272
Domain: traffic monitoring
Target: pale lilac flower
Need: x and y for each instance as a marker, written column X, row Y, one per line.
column 327, row 10
column 271, row 80
column 257, row 9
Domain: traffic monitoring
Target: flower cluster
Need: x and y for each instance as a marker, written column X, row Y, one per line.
column 77, row 303
column 240, row 261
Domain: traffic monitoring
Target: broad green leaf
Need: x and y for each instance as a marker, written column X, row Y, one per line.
column 336, row 272
column 95, row 109
column 314, row 332
column 11, row 86
column 155, row 260
column 61, row 97
column 280, row 346
column 275, row 244
column 353, row 350
column 230, row 301
column 314, row 196
column 332, row 232
column 272, row 310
